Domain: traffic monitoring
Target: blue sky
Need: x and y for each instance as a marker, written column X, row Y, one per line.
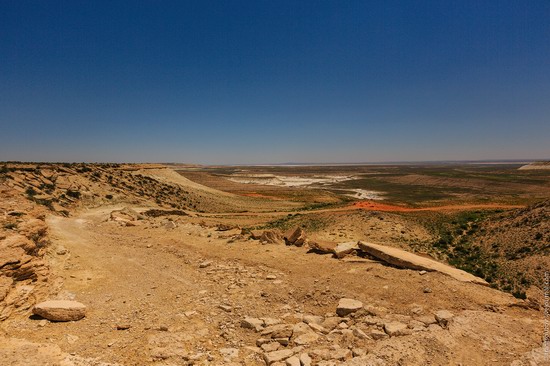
column 274, row 81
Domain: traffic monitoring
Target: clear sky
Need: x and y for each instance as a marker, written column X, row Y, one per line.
column 274, row 81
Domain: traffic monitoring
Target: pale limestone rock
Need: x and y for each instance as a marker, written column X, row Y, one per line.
column 348, row 306
column 252, row 323
column 293, row 361
column 343, row 249
column 305, row 360
column 277, row 356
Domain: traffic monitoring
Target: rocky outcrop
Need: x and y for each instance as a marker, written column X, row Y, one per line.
column 23, row 242
column 404, row 259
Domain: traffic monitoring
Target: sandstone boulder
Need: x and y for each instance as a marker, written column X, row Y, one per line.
column 60, row 310
column 271, row 237
column 256, row 234
column 322, row 246
column 403, row 259
column 295, row 237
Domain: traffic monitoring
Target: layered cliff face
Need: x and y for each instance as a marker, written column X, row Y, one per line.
column 23, row 244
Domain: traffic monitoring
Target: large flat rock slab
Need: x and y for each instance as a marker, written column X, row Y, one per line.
column 60, row 310
column 404, row 259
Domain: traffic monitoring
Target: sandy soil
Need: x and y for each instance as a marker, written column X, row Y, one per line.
column 148, row 279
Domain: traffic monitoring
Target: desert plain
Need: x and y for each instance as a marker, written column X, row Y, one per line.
column 173, row 264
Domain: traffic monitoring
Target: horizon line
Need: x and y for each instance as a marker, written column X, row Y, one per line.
column 394, row 162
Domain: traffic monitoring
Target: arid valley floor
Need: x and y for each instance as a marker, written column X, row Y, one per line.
column 284, row 265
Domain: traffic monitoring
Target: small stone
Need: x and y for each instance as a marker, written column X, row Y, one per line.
column 318, row 328
column 341, row 354
column 42, row 323
column 306, row 338
column 427, row 319
column 229, row 353
column 122, row 326
column 422, row 273
column 360, row 334
column 270, row 321
column 444, row 317
column 378, row 334
column 190, row 313
column 427, row 290
column 226, row 308
column 270, row 347
column 270, row 277
column 321, row 353
column 282, row 341
column 305, row 360
column 343, row 249
column 331, row 322
column 61, row 251
column 395, row 328
column 261, row 341
column 205, row 264
column 252, row 323
column 300, row 328
column 279, row 331
column 293, row 361
column 71, row 339
column 348, row 306
column 434, row 327
column 277, row 356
